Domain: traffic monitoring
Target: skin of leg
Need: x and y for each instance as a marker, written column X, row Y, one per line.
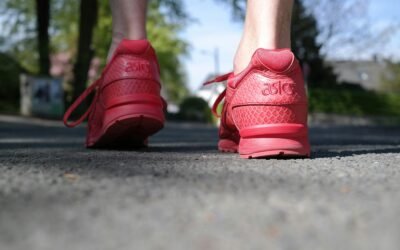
column 267, row 25
column 129, row 21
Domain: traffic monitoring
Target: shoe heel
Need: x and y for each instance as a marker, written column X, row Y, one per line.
column 129, row 125
column 144, row 118
column 274, row 140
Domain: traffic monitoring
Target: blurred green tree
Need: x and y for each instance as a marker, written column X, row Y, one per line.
column 19, row 33
column 391, row 80
column 195, row 109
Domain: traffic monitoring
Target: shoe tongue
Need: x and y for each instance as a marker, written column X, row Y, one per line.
column 278, row 60
column 132, row 46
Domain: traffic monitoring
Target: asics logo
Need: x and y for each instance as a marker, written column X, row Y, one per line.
column 137, row 66
column 278, row 88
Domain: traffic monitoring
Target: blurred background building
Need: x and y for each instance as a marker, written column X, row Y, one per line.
column 365, row 74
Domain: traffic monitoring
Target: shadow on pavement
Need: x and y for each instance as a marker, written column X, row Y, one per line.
column 330, row 154
column 343, row 141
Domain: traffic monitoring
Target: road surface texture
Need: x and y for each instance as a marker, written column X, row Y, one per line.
column 182, row 194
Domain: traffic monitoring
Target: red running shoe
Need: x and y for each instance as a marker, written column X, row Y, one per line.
column 265, row 109
column 127, row 106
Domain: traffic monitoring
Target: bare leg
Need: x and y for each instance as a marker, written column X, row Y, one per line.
column 129, row 21
column 267, row 26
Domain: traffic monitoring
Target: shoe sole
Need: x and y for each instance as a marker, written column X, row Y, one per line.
column 274, row 141
column 278, row 154
column 227, row 146
column 129, row 126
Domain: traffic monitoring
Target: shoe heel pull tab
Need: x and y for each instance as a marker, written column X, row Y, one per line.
column 279, row 60
column 132, row 46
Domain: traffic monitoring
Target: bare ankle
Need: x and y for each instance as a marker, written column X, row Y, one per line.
column 240, row 62
column 267, row 26
column 243, row 54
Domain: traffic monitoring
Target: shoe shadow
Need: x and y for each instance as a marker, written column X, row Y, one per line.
column 344, row 141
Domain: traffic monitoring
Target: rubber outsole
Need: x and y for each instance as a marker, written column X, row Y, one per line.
column 287, row 147
column 129, row 125
column 231, row 147
column 278, row 154
column 128, row 132
column 227, row 146
column 285, row 140
column 227, row 150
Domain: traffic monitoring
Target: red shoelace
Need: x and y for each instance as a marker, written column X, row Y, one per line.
column 78, row 101
column 221, row 96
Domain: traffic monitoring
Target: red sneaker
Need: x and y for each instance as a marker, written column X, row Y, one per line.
column 267, row 105
column 127, row 106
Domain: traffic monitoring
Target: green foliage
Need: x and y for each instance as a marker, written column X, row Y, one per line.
column 391, row 81
column 19, row 39
column 170, row 48
column 195, row 109
column 103, row 31
column 18, row 34
column 64, row 25
column 340, row 100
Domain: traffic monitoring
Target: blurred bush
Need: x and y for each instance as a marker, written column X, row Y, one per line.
column 195, row 109
column 9, row 82
column 390, row 82
column 341, row 100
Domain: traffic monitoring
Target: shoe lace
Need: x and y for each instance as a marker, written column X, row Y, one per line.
column 221, row 96
column 78, row 101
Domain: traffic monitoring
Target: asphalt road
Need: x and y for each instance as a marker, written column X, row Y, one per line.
column 182, row 194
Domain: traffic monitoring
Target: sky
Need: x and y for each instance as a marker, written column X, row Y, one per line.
column 215, row 28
